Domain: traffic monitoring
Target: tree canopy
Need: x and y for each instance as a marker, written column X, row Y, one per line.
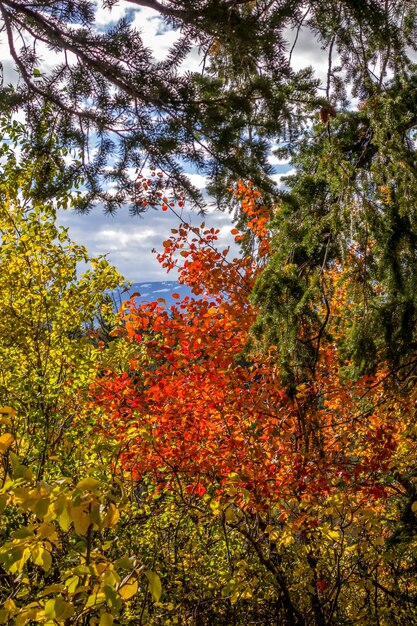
column 107, row 90
column 353, row 189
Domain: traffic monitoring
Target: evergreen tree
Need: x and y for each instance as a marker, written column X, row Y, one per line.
column 351, row 202
column 108, row 89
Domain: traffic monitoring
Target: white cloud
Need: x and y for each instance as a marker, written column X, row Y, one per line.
column 104, row 17
column 160, row 38
column 128, row 241
column 277, row 178
column 274, row 160
column 119, row 238
column 154, row 35
column 198, row 180
column 307, row 52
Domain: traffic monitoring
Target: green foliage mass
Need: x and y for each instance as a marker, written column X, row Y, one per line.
column 351, row 198
column 224, row 119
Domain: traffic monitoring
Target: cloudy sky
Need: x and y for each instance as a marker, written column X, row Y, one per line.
column 128, row 241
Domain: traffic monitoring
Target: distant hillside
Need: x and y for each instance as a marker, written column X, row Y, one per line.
column 151, row 291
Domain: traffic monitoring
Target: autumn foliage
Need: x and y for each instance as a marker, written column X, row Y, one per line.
column 316, row 478
column 196, row 407
column 180, row 476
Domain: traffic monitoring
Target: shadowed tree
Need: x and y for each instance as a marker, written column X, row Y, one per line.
column 107, row 90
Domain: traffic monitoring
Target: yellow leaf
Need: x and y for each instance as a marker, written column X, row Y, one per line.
column 81, row 519
column 42, row 558
column 95, row 512
column 63, row 516
column 229, row 514
column 110, row 578
column 18, row 559
column 28, row 616
column 72, row 584
column 95, row 599
column 111, row 517
column 6, row 441
column 333, row 534
column 47, row 531
column 274, row 534
column 128, row 590
column 106, row 619
column 287, row 540
column 7, row 410
column 9, row 605
column 6, row 613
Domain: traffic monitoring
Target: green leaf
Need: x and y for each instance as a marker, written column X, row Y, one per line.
column 4, row 498
column 58, row 609
column 56, row 588
column 89, row 484
column 124, row 563
column 41, row 507
column 154, row 583
column 112, row 597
